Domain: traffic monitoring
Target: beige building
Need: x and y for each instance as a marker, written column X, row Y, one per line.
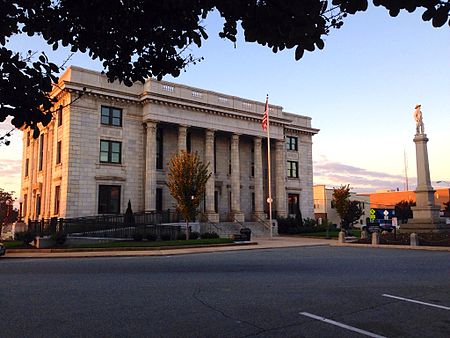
column 324, row 207
column 109, row 143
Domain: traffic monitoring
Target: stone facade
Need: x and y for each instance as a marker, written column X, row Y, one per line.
column 65, row 168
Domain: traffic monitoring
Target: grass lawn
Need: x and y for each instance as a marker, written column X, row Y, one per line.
column 146, row 244
column 13, row 244
column 331, row 233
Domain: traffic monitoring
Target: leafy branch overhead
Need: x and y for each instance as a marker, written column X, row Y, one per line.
column 138, row 39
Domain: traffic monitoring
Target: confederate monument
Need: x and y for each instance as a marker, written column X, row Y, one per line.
column 425, row 213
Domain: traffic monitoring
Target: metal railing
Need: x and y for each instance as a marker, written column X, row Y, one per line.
column 107, row 225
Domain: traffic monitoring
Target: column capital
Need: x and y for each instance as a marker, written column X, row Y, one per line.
column 150, row 123
column 257, row 140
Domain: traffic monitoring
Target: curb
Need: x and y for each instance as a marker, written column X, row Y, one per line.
column 136, row 248
column 387, row 246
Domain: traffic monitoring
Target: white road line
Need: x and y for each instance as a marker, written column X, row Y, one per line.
column 417, row 301
column 344, row 326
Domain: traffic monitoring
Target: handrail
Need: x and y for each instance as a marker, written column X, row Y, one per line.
column 264, row 222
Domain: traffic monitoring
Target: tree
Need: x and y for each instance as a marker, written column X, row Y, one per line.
column 348, row 211
column 187, row 183
column 138, row 39
column 403, row 210
column 7, row 212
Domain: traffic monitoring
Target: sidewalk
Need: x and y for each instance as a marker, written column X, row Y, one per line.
column 258, row 243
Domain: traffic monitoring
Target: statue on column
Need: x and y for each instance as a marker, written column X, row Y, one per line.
column 420, row 128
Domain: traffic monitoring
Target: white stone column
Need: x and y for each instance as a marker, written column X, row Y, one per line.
column 210, row 213
column 258, row 213
column 150, row 167
column 236, row 213
column 280, row 179
column 182, row 132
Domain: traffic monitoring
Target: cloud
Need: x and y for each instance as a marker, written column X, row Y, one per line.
column 10, row 173
column 335, row 174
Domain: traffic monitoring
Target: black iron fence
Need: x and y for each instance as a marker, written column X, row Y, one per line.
column 118, row 226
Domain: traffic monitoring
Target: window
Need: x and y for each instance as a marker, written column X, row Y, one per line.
column 291, row 143
column 110, row 151
column 252, row 162
column 28, row 138
column 159, row 148
column 25, row 205
column 215, row 152
column 216, row 201
column 188, row 142
column 41, row 152
column 159, row 199
column 292, row 169
column 60, row 115
column 111, row 116
column 293, row 204
column 38, row 205
column 253, row 201
column 27, row 166
column 58, row 152
column 109, row 199
column 57, row 197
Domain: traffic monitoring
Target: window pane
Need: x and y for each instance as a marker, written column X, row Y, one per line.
column 104, row 145
column 103, row 157
column 115, row 158
column 117, row 113
column 105, row 119
column 115, row 147
column 116, row 121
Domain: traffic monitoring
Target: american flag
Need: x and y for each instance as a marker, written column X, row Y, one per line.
column 265, row 118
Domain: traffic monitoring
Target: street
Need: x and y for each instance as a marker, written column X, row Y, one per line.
column 293, row 292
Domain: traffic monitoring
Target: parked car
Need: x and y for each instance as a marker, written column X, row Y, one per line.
column 2, row 249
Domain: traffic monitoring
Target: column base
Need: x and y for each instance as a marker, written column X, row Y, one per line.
column 212, row 217
column 236, row 216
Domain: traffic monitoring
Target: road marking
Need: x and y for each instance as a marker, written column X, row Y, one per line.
column 417, row 301
column 344, row 326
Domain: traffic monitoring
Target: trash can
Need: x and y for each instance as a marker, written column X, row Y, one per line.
column 246, row 233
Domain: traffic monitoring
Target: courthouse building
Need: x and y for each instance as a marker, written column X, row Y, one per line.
column 109, row 143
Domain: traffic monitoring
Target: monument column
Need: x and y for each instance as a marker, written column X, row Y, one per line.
column 150, row 167
column 182, row 132
column 280, row 179
column 425, row 213
column 210, row 213
column 236, row 213
column 258, row 177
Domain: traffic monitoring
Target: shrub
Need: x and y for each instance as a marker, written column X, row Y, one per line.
column 309, row 222
column 165, row 236
column 151, row 237
column 25, row 236
column 208, row 235
column 181, row 236
column 138, row 236
column 194, row 235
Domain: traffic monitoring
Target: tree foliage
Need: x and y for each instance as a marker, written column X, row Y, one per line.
column 349, row 211
column 137, row 39
column 7, row 213
column 187, row 183
column 403, row 210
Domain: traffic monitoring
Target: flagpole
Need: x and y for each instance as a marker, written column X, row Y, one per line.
column 269, row 199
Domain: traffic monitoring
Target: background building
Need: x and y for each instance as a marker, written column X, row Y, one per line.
column 109, row 143
column 324, row 207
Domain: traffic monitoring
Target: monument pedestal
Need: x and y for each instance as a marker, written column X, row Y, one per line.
column 425, row 213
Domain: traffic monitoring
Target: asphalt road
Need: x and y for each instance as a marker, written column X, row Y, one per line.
column 294, row 292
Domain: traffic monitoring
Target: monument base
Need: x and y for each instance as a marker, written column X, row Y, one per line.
column 424, row 225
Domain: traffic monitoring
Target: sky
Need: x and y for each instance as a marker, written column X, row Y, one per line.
column 360, row 91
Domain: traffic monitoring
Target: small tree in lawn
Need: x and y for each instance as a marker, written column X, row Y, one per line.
column 403, row 210
column 7, row 212
column 187, row 183
column 348, row 211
